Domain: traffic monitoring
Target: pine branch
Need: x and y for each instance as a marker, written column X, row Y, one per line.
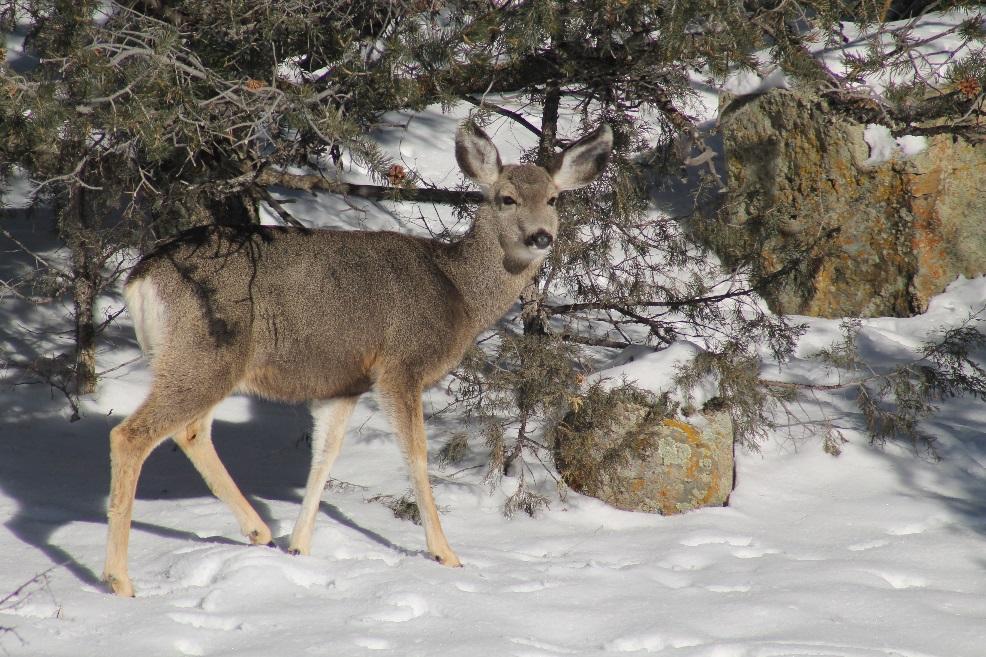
column 277, row 207
column 60, row 272
column 503, row 111
column 594, row 342
column 311, row 183
column 770, row 383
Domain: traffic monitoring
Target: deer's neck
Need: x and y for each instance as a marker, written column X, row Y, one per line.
column 488, row 282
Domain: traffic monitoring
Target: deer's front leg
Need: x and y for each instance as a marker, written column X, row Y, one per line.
column 331, row 417
column 403, row 403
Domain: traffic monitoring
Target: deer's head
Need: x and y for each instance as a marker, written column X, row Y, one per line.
column 522, row 196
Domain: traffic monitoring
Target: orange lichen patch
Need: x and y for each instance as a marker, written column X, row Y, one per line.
column 845, row 173
column 690, row 433
column 924, row 184
column 928, row 241
column 665, row 503
column 713, row 489
column 693, row 465
column 821, row 304
column 888, row 188
column 695, row 459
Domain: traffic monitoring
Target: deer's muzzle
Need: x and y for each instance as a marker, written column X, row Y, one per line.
column 539, row 240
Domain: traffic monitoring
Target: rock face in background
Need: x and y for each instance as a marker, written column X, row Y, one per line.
column 637, row 460
column 901, row 230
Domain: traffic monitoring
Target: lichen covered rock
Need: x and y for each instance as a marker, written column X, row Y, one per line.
column 890, row 233
column 622, row 448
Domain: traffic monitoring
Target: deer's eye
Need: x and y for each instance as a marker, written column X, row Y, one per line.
column 508, row 200
column 551, row 201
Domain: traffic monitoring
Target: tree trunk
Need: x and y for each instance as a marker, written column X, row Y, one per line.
column 532, row 297
column 549, row 124
column 84, row 291
column 80, row 233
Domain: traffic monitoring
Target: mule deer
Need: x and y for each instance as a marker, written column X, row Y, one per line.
column 323, row 316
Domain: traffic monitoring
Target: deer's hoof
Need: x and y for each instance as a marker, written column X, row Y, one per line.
column 121, row 586
column 261, row 536
column 449, row 560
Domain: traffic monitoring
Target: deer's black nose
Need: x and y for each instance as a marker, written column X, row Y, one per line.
column 540, row 240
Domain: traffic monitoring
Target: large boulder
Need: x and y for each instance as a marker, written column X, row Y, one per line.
column 624, row 450
column 890, row 230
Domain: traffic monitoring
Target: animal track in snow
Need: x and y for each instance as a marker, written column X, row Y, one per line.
column 753, row 552
column 348, row 552
column 812, row 649
column 648, row 643
column 207, row 621
column 471, row 587
column 206, row 568
column 187, row 603
column 908, row 529
column 526, row 587
column 542, row 646
column 403, row 607
column 868, row 545
column 901, row 580
column 655, row 643
column 722, row 588
column 208, row 602
column 189, row 647
column 716, row 539
column 678, row 561
column 373, row 643
column 612, row 564
column 919, row 527
column 745, row 548
column 199, row 567
column 671, row 579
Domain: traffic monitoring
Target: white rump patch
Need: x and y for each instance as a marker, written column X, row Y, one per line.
column 148, row 313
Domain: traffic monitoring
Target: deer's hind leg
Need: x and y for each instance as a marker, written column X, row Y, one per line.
column 173, row 400
column 196, row 441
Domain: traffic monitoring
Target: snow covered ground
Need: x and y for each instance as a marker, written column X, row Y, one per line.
column 875, row 553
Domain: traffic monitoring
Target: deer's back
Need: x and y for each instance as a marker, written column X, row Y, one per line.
column 305, row 314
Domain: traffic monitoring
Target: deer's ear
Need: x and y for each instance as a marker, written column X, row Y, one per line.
column 583, row 161
column 476, row 155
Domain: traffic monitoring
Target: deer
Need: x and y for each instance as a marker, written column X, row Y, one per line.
column 323, row 316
